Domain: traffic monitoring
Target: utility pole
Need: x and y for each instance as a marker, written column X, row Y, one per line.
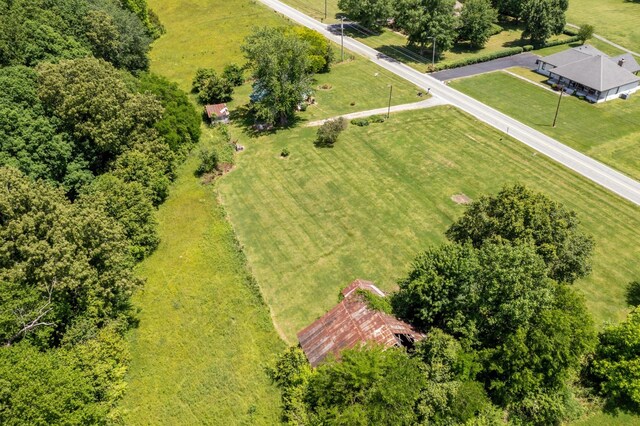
column 325, row 10
column 389, row 109
column 341, row 38
column 558, row 107
column 433, row 54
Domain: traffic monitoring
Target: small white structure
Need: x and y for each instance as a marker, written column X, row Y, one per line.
column 588, row 72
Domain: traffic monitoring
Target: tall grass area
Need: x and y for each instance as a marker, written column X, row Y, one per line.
column 204, row 337
column 608, row 131
column 313, row 222
column 616, row 20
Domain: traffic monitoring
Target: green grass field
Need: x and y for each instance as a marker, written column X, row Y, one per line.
column 608, row 131
column 315, row 221
column 204, row 337
column 617, row 20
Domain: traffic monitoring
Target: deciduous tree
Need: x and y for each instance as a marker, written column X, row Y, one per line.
column 368, row 13
column 422, row 20
column 476, row 21
column 280, row 64
column 518, row 214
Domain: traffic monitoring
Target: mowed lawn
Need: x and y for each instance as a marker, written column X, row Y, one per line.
column 204, row 338
column 315, row 221
column 609, row 131
column 617, row 20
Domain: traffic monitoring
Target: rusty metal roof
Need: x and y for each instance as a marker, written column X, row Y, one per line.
column 350, row 323
column 217, row 110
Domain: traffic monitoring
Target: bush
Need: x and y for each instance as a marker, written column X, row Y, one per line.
column 208, row 161
column 234, row 74
column 377, row 119
column 571, row 39
column 476, row 59
column 360, row 122
column 210, row 87
column 284, row 153
column 328, row 133
column 570, row 31
column 496, row 29
column 527, row 47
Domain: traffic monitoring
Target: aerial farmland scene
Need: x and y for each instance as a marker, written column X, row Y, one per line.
column 320, row 212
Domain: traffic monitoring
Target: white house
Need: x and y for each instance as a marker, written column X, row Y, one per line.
column 588, row 72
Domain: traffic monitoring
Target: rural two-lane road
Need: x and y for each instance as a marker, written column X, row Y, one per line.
column 586, row 166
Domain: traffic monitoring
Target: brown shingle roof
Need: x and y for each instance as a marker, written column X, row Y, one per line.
column 350, row 323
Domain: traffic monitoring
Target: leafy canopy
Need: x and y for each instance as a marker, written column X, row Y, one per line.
column 280, row 62
column 422, row 20
column 520, row 215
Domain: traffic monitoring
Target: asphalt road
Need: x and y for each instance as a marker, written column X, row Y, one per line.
column 586, row 166
column 525, row 60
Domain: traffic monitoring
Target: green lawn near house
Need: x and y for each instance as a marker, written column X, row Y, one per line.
column 204, row 337
column 313, row 222
column 617, row 20
column 608, row 132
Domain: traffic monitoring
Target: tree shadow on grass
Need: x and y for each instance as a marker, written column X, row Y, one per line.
column 633, row 293
column 244, row 117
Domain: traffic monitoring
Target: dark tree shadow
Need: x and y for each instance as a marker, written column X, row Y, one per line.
column 243, row 116
column 633, row 293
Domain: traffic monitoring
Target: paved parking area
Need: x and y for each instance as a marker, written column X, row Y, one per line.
column 527, row 60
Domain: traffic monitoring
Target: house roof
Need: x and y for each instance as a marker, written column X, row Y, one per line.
column 597, row 72
column 572, row 55
column 217, row 110
column 350, row 323
column 630, row 63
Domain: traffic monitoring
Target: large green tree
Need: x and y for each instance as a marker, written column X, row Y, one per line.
column 529, row 331
column 60, row 263
column 476, row 22
column 95, row 106
column 518, row 214
column 543, row 18
column 422, row 20
column 369, row 13
column 616, row 364
column 280, row 64
column 367, row 386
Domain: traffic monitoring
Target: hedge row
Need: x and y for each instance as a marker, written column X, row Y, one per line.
column 500, row 54
column 477, row 59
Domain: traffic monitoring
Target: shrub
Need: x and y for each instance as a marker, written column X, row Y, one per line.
column 328, row 133
column 360, row 122
column 210, row 87
column 570, row 31
column 208, row 161
column 377, row 119
column 284, row 153
column 234, row 74
column 476, row 59
column 586, row 32
column 571, row 39
column 496, row 29
column 527, row 47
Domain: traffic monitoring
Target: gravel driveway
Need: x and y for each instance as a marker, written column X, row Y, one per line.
column 527, row 60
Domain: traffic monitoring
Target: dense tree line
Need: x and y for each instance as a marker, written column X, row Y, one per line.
column 87, row 153
column 507, row 336
column 437, row 23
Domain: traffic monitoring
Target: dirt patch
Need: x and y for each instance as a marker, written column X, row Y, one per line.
column 460, row 199
column 223, row 168
column 325, row 86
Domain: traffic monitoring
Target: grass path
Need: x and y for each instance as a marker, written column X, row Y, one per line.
column 204, row 336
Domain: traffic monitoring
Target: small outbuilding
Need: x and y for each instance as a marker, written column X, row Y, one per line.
column 352, row 322
column 217, row 113
column 586, row 71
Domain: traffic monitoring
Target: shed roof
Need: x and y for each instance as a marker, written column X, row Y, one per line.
column 350, row 323
column 597, row 72
column 216, row 110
